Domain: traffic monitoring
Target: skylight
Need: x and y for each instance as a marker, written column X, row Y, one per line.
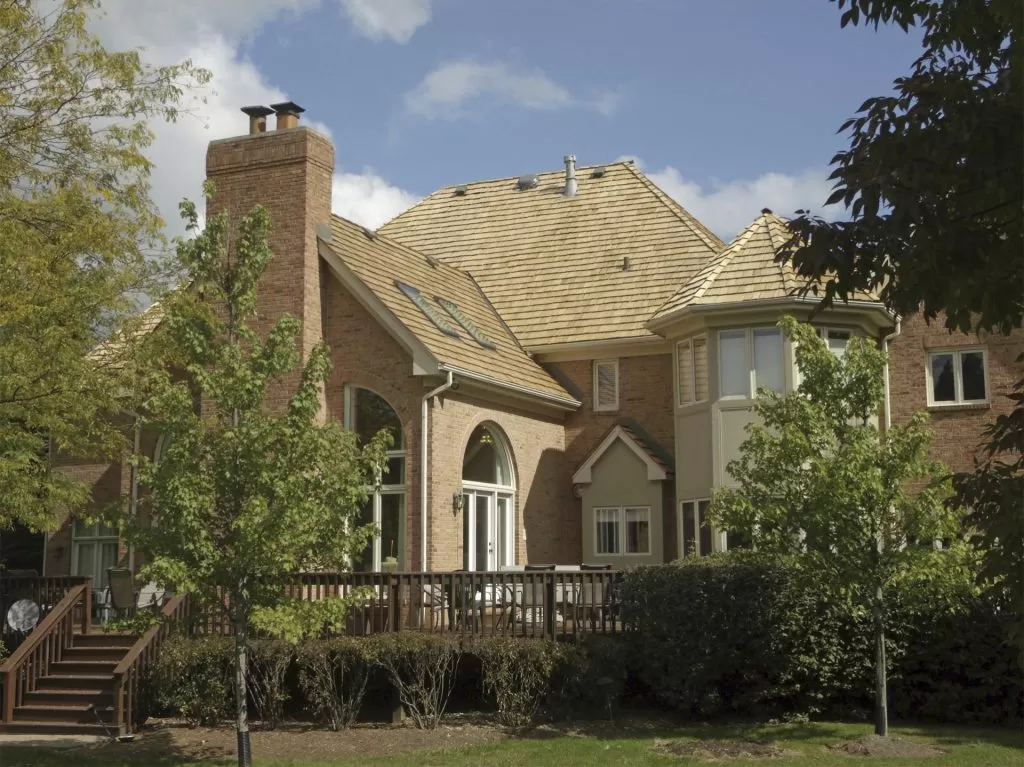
column 467, row 324
column 425, row 306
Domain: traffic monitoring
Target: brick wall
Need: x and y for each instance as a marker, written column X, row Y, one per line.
column 366, row 356
column 958, row 430
column 545, row 507
column 289, row 173
column 645, row 395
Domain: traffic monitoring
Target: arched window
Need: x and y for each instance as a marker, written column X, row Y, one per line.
column 488, row 492
column 366, row 413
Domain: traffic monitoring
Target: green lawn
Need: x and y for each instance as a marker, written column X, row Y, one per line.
column 608, row 745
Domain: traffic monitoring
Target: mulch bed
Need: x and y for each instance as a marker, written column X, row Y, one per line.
column 873, row 745
column 715, row 750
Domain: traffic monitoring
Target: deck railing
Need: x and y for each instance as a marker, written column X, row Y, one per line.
column 45, row 592
column 530, row 603
column 47, row 644
column 131, row 672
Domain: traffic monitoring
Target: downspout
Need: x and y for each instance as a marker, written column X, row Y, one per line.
column 885, row 350
column 424, row 441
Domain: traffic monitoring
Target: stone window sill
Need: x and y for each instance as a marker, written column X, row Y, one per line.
column 980, row 406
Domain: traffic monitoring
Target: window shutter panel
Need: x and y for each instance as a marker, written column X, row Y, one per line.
column 685, row 372
column 700, row 369
column 607, row 385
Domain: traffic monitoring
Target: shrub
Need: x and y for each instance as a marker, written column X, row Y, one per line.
column 269, row 661
column 333, row 674
column 422, row 669
column 716, row 636
column 591, row 677
column 194, row 678
column 519, row 673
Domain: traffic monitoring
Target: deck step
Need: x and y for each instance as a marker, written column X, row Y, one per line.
column 75, row 682
column 53, row 728
column 97, row 653
column 82, row 667
column 64, row 714
column 59, row 698
column 103, row 639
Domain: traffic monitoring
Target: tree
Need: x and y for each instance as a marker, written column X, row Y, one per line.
column 817, row 482
column 933, row 182
column 243, row 498
column 77, row 232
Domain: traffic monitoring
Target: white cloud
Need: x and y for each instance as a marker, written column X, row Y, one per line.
column 728, row 207
column 448, row 89
column 395, row 19
column 210, row 33
column 368, row 199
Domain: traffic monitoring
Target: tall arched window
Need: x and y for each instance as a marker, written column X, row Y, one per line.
column 366, row 413
column 488, row 491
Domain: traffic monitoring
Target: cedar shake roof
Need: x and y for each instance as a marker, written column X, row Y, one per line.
column 112, row 350
column 553, row 265
column 745, row 271
column 380, row 263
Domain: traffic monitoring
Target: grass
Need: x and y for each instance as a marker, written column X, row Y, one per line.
column 605, row 745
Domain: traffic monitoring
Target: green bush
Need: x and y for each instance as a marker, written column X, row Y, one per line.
column 269, row 662
column 731, row 635
column 333, row 674
column 422, row 669
column 519, row 673
column 194, row 678
column 591, row 676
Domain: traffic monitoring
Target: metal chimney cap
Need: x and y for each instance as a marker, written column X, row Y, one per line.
column 461, row 189
column 257, row 111
column 287, row 107
column 569, row 158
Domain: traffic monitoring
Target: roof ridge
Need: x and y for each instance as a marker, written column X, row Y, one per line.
column 501, row 319
column 520, row 175
column 726, row 257
column 681, row 213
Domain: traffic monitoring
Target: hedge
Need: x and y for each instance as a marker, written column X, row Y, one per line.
column 728, row 636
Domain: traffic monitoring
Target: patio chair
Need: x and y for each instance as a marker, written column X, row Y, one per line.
column 435, row 601
column 463, row 606
column 121, row 586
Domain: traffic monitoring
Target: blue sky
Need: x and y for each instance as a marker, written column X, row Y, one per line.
column 730, row 105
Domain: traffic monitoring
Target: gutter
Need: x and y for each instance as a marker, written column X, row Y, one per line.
column 566, row 403
column 885, row 350
column 424, row 441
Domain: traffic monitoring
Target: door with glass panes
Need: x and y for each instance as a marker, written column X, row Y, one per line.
column 489, row 529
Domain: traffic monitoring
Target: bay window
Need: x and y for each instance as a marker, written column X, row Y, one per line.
column 750, row 359
column 692, row 370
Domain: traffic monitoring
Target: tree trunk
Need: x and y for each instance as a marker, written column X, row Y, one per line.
column 242, row 693
column 881, row 692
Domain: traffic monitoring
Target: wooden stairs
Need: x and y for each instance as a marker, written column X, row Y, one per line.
column 76, row 693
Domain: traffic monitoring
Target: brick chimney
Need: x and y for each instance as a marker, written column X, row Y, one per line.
column 288, row 171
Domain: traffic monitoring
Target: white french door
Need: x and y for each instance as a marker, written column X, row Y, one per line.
column 489, row 529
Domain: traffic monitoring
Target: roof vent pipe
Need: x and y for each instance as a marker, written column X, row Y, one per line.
column 257, row 118
column 570, row 175
column 287, row 114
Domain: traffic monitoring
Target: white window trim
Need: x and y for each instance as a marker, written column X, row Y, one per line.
column 605, row 408
column 686, row 347
column 958, row 376
column 620, row 522
column 696, row 527
column 378, row 490
column 98, row 541
column 751, row 392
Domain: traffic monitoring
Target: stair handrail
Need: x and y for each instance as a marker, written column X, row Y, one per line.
column 137, row 660
column 57, row 625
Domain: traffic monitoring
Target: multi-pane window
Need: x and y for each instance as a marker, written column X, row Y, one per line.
column 957, row 377
column 696, row 531
column 367, row 413
column 623, row 530
column 606, row 385
column 836, row 339
column 93, row 550
column 692, row 370
column 749, row 360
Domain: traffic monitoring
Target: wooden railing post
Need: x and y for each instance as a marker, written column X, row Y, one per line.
column 87, row 608
column 395, row 623
column 549, row 605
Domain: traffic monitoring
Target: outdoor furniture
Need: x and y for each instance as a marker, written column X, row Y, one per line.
column 434, row 602
column 121, row 588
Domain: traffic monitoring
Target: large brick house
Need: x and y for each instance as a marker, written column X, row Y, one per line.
column 567, row 359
